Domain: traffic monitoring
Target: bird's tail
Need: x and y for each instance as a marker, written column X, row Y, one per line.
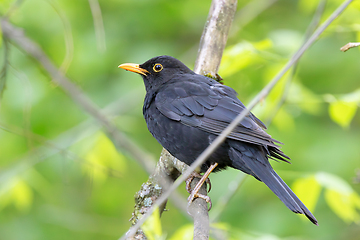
column 256, row 163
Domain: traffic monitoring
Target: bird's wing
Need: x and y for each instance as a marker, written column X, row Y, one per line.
column 209, row 106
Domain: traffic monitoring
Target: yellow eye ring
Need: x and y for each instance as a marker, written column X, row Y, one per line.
column 157, row 67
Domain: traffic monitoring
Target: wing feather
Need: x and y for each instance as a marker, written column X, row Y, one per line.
column 210, row 107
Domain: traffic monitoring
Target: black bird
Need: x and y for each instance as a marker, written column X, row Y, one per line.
column 186, row 111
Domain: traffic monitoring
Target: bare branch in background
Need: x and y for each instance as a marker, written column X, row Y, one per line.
column 350, row 45
column 13, row 8
column 311, row 28
column 68, row 37
column 98, row 25
column 4, row 69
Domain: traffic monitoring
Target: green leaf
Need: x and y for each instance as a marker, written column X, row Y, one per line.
column 308, row 6
column 284, row 121
column 333, row 182
column 102, row 156
column 308, row 190
column 302, row 96
column 342, row 112
column 22, row 195
column 340, row 197
column 18, row 192
column 152, row 226
column 183, row 233
column 241, row 55
column 344, row 205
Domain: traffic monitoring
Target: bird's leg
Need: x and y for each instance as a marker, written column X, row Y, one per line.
column 195, row 192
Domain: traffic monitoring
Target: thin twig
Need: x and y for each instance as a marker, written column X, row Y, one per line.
column 98, row 25
column 311, row 28
column 68, row 37
column 261, row 95
column 4, row 69
column 349, row 45
column 237, row 183
column 27, row 103
column 12, row 8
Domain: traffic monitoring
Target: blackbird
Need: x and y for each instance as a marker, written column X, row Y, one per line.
column 185, row 112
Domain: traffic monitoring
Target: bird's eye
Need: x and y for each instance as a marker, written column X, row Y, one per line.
column 157, row 67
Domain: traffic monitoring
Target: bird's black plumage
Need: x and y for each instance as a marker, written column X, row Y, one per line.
column 185, row 112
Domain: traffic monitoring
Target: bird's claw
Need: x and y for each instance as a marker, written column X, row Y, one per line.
column 195, row 192
column 194, row 195
column 191, row 178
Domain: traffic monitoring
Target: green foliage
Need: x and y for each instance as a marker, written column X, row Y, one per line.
column 152, row 226
column 342, row 112
column 183, row 233
column 308, row 190
column 17, row 192
column 339, row 195
column 101, row 156
column 61, row 177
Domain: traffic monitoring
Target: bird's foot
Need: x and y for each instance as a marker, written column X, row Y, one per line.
column 195, row 192
column 194, row 195
column 191, row 178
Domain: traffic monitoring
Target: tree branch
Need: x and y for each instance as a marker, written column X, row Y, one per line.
column 261, row 95
column 214, row 37
column 211, row 48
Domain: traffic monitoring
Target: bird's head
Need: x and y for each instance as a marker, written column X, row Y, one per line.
column 157, row 70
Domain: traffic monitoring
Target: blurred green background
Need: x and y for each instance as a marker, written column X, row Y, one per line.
column 61, row 177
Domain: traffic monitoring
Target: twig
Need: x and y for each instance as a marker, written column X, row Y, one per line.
column 27, row 105
column 311, row 28
column 13, row 7
column 68, row 37
column 262, row 94
column 98, row 25
column 4, row 69
column 237, row 183
column 349, row 45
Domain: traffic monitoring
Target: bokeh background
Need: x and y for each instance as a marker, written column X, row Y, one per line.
column 62, row 178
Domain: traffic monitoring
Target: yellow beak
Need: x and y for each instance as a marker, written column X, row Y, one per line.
column 132, row 67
